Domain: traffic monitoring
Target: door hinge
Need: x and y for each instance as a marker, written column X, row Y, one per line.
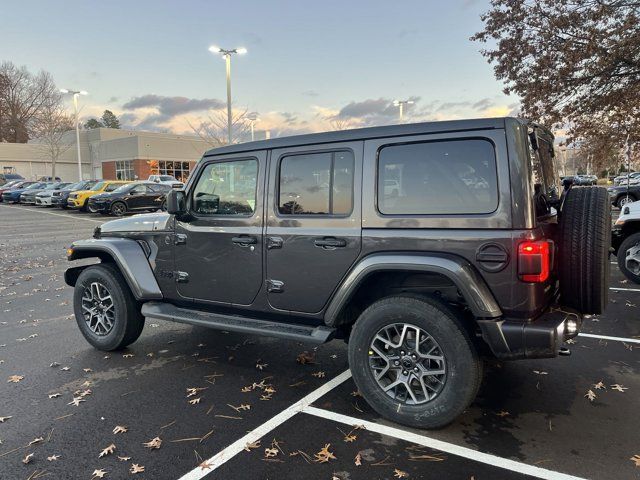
column 179, row 239
column 275, row 286
column 181, row 277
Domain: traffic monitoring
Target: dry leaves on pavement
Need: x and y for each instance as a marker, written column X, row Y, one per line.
column 120, row 429
column 590, row 395
column 618, row 387
column 305, row 358
column 15, row 378
column 135, row 468
column 324, row 455
column 4, row 419
column 98, row 474
column 107, row 451
column 27, row 458
column 636, row 459
column 252, row 445
column 154, row 443
column 400, row 474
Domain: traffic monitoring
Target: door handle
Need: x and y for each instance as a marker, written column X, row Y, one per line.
column 244, row 240
column 330, row 242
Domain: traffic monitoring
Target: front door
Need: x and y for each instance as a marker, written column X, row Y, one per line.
column 137, row 197
column 218, row 252
column 313, row 233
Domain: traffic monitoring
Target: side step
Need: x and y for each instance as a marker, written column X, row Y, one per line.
column 302, row 333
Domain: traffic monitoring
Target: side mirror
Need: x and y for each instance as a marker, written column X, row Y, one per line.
column 176, row 202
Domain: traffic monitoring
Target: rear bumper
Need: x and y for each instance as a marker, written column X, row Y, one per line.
column 513, row 339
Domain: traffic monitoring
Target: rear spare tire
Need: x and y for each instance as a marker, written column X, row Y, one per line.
column 584, row 241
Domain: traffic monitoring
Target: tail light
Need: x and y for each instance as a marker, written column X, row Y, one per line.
column 534, row 261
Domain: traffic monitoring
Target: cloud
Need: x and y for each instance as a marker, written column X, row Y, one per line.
column 172, row 106
column 374, row 111
column 483, row 104
column 310, row 93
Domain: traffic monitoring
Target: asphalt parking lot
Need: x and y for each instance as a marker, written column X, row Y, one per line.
column 236, row 406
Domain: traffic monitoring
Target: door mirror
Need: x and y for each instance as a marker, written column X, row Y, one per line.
column 176, row 202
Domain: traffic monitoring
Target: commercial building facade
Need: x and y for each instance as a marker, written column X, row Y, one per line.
column 108, row 153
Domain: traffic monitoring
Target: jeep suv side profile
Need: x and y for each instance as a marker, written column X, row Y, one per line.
column 426, row 247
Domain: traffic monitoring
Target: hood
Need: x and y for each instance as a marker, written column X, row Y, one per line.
column 145, row 222
column 102, row 195
column 83, row 192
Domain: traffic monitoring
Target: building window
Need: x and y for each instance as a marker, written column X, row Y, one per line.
column 178, row 170
column 124, row 170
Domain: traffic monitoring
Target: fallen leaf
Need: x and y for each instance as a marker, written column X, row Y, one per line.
column 205, row 465
column 98, row 474
column 244, row 406
column 318, row 374
column 53, row 458
column 124, row 459
column 4, row 419
column 65, row 369
column 400, row 474
column 270, row 452
column 135, row 468
column 358, row 460
column 249, row 446
column 120, row 429
column 107, row 451
column 193, row 391
column 87, row 370
column 15, row 378
column 128, row 355
column 27, row 458
column 503, row 413
column 590, row 395
column 636, row 459
column 195, row 401
column 618, row 387
column 305, row 358
column 154, row 443
column 76, row 401
column 261, row 366
column 36, row 440
column 324, row 455
column 599, row 385
column 350, row 438
column 54, row 395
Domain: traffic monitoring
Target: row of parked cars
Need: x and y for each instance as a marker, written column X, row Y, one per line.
column 115, row 197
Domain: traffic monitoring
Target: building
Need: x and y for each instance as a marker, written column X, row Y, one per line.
column 108, row 153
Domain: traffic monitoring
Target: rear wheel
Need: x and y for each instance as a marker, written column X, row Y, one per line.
column 413, row 362
column 584, row 241
column 106, row 311
column 629, row 257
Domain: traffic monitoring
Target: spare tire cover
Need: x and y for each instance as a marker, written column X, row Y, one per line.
column 583, row 248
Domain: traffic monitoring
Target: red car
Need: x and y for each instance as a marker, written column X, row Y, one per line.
column 14, row 184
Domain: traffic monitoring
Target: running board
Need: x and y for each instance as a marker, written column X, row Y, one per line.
column 302, row 333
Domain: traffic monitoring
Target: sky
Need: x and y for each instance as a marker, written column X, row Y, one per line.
column 310, row 66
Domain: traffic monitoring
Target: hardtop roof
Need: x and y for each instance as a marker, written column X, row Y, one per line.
column 366, row 133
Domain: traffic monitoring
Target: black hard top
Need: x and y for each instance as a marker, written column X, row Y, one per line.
column 366, row 133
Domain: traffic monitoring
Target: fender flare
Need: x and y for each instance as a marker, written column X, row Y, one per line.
column 127, row 254
column 466, row 278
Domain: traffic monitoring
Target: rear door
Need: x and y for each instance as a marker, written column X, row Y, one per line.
column 218, row 251
column 313, row 233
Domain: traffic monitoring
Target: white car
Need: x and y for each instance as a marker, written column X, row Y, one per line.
column 625, row 240
column 166, row 180
column 44, row 197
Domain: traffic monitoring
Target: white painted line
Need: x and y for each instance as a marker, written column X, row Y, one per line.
column 625, row 289
column 447, row 447
column 51, row 213
column 606, row 337
column 238, row 446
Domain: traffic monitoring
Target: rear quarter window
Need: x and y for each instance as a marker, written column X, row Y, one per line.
column 438, row 178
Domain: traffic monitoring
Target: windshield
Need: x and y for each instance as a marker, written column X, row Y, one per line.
column 97, row 186
column 35, row 186
column 166, row 177
column 74, row 186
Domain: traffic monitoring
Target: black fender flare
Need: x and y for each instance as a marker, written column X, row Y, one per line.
column 127, row 254
column 471, row 285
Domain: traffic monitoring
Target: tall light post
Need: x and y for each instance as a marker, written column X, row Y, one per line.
column 76, row 94
column 253, row 118
column 226, row 54
column 401, row 104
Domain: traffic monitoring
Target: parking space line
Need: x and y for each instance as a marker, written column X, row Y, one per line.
column 625, row 289
column 447, row 447
column 606, row 337
column 238, row 446
column 51, row 213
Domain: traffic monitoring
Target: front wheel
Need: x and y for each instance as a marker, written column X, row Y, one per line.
column 624, row 200
column 118, row 209
column 106, row 311
column 629, row 257
column 413, row 362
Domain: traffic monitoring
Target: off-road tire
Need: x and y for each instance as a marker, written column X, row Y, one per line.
column 463, row 365
column 129, row 321
column 583, row 249
column 628, row 242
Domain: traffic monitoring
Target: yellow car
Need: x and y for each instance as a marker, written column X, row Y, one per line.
column 79, row 199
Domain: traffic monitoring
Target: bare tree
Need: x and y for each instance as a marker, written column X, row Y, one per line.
column 213, row 129
column 23, row 97
column 52, row 129
column 338, row 123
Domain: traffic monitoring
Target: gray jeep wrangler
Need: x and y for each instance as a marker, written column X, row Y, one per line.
column 427, row 247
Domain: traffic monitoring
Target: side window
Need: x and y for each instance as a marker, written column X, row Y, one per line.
column 438, row 177
column 227, row 188
column 112, row 186
column 139, row 190
column 544, row 178
column 316, row 184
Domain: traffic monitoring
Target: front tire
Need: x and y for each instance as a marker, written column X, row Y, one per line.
column 413, row 362
column 624, row 200
column 118, row 209
column 106, row 312
column 629, row 257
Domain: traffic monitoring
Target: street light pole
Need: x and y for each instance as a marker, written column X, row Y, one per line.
column 253, row 118
column 401, row 104
column 76, row 94
column 226, row 54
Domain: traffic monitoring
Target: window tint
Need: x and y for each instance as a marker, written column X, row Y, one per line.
column 544, row 177
column 227, row 188
column 316, row 184
column 159, row 188
column 112, row 186
column 139, row 189
column 447, row 177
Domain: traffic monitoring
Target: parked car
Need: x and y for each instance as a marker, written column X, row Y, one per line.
column 166, row 179
column 585, row 180
column 8, row 177
column 9, row 186
column 130, row 198
column 621, row 195
column 45, row 197
column 28, row 197
column 45, row 178
column 13, row 195
column 625, row 241
column 59, row 197
column 634, row 177
column 307, row 246
column 80, row 198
